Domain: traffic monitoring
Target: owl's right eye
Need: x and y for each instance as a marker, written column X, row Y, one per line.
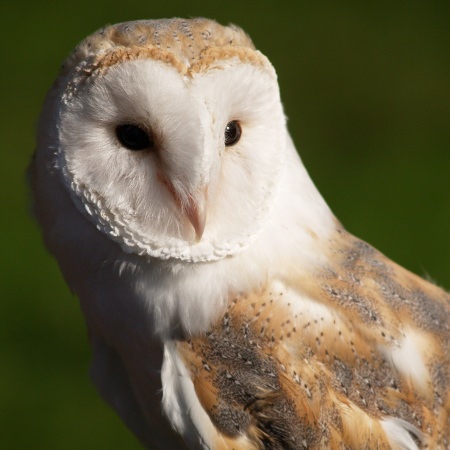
column 134, row 137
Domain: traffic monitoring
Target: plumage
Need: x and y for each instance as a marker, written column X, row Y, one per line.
column 225, row 303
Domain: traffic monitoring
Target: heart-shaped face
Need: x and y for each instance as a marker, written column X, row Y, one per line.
column 170, row 154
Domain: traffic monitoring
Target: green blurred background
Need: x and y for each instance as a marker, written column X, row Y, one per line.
column 366, row 89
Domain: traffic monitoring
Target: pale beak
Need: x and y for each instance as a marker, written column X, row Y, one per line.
column 194, row 208
column 196, row 212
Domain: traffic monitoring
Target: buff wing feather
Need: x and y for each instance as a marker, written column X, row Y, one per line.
column 323, row 362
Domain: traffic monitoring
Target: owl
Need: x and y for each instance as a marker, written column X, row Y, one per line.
column 226, row 306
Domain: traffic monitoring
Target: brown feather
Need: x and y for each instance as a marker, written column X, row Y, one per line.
column 284, row 379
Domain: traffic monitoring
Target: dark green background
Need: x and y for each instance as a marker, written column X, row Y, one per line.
column 366, row 89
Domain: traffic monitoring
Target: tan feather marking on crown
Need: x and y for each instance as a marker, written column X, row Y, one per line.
column 185, row 39
column 208, row 59
column 125, row 54
column 245, row 55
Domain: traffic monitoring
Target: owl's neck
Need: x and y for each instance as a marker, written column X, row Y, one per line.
column 293, row 239
column 300, row 223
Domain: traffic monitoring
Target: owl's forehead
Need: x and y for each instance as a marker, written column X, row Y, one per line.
column 188, row 45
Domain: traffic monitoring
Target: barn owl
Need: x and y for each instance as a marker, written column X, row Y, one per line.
column 226, row 306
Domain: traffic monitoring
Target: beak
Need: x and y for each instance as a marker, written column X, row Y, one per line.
column 196, row 212
column 194, row 208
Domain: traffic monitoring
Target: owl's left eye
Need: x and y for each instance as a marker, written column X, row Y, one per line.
column 233, row 133
column 134, row 137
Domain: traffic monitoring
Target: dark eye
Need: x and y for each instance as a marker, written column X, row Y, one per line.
column 134, row 137
column 233, row 133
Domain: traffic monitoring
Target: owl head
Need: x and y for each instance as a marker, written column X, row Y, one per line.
column 168, row 136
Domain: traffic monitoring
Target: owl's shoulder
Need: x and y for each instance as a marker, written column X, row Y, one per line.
column 299, row 361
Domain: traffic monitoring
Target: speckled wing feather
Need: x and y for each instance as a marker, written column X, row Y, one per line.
column 356, row 356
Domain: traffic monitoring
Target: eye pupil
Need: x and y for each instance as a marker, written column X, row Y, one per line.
column 134, row 137
column 233, row 133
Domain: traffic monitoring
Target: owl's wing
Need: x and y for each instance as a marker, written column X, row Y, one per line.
column 111, row 378
column 354, row 356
